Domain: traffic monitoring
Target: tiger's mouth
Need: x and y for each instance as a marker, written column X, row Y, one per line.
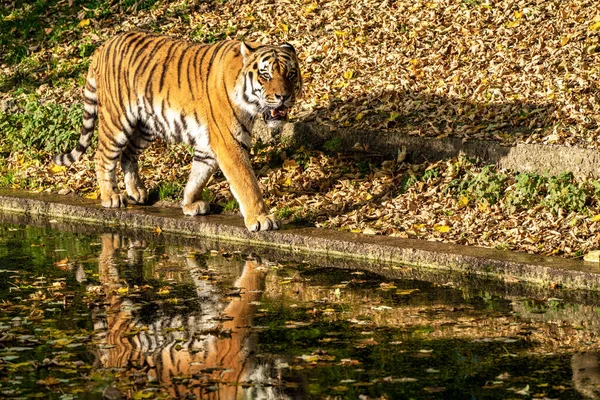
column 276, row 114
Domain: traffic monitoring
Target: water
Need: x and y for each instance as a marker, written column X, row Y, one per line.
column 87, row 315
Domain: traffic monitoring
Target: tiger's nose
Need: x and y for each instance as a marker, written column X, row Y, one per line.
column 282, row 97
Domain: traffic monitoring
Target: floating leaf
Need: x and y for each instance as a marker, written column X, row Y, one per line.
column 49, row 381
column 406, row 292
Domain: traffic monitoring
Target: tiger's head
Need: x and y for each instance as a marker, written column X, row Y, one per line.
column 272, row 80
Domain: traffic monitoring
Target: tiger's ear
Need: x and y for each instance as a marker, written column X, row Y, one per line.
column 246, row 50
column 288, row 46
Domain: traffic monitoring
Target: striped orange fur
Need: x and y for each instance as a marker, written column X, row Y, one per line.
column 142, row 86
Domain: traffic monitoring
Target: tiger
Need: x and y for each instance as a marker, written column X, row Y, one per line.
column 142, row 86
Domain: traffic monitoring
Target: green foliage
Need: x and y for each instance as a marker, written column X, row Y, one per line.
column 231, row 206
column 296, row 215
column 169, row 190
column 207, row 195
column 555, row 192
column 407, row 181
column 284, row 213
column 526, row 191
column 488, row 185
column 204, row 34
column 40, row 126
column 430, row 174
column 333, row 145
column 7, row 176
column 564, row 194
column 364, row 167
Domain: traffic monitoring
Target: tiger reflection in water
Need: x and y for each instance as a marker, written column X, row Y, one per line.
column 208, row 348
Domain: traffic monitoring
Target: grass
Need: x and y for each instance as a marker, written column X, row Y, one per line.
column 168, row 190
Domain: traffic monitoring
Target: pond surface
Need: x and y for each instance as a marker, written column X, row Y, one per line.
column 93, row 315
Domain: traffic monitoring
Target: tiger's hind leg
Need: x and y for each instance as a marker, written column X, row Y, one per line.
column 111, row 143
column 136, row 190
column 203, row 167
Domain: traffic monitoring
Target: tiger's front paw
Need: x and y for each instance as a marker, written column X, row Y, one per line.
column 196, row 208
column 115, row 200
column 261, row 223
column 138, row 195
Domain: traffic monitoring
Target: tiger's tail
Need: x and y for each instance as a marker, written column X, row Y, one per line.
column 90, row 114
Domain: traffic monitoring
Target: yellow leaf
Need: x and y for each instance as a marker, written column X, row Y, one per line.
column 406, row 292
column 393, row 116
column 518, row 14
column 595, row 218
column 83, row 23
column 463, row 201
column 441, row 228
column 359, row 116
column 565, row 40
column 157, row 229
column 595, row 26
column 283, row 27
column 349, row 74
column 341, row 33
column 93, row 195
column 123, row 290
column 310, row 8
column 418, row 226
column 57, row 169
column 163, row 292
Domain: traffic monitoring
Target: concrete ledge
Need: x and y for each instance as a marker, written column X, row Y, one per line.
column 379, row 252
column 521, row 157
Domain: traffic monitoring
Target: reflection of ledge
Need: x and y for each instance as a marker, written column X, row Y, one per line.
column 538, row 158
column 377, row 252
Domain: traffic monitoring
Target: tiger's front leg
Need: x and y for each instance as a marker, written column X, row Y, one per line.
column 203, row 167
column 236, row 167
